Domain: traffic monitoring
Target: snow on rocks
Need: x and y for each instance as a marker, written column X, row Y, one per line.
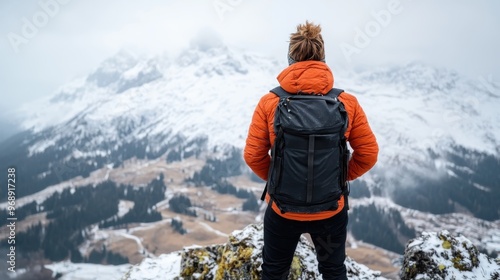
column 441, row 256
column 239, row 258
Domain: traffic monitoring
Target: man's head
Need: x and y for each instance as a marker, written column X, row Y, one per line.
column 306, row 44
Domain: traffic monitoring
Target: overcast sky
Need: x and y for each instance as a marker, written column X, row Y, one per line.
column 46, row 43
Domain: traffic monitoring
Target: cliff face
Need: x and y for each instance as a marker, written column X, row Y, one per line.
column 437, row 256
column 239, row 258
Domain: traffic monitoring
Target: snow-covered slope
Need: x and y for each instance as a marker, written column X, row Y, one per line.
column 213, row 92
column 69, row 271
column 415, row 107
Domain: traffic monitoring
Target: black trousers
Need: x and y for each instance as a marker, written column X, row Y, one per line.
column 281, row 237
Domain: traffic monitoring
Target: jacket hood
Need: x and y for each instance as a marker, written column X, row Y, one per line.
column 307, row 76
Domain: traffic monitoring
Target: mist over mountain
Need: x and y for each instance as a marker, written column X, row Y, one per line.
column 438, row 133
column 8, row 129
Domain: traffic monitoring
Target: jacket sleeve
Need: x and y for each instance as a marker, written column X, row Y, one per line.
column 363, row 142
column 256, row 152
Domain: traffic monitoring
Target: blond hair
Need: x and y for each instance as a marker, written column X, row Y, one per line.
column 307, row 43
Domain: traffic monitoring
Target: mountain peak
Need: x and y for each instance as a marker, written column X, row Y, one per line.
column 124, row 71
column 208, row 89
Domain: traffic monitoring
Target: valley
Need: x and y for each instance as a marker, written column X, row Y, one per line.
column 137, row 241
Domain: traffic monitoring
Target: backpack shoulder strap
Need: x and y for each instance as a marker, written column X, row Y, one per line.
column 335, row 92
column 279, row 91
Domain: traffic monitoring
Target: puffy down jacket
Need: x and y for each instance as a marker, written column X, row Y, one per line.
column 309, row 77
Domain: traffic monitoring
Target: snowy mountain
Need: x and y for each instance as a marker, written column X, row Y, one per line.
column 213, row 92
column 438, row 131
column 131, row 107
column 422, row 116
column 210, row 92
column 415, row 108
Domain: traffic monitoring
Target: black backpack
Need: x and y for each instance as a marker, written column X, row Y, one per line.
column 308, row 171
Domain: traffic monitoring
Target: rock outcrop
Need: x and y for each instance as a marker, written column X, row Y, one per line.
column 240, row 258
column 440, row 256
column 432, row 256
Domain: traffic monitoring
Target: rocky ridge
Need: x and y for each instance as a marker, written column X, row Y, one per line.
column 239, row 258
column 432, row 256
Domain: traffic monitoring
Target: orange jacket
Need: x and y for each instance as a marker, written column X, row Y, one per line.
column 313, row 77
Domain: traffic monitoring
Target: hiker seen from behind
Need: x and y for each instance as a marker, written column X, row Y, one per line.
column 298, row 143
